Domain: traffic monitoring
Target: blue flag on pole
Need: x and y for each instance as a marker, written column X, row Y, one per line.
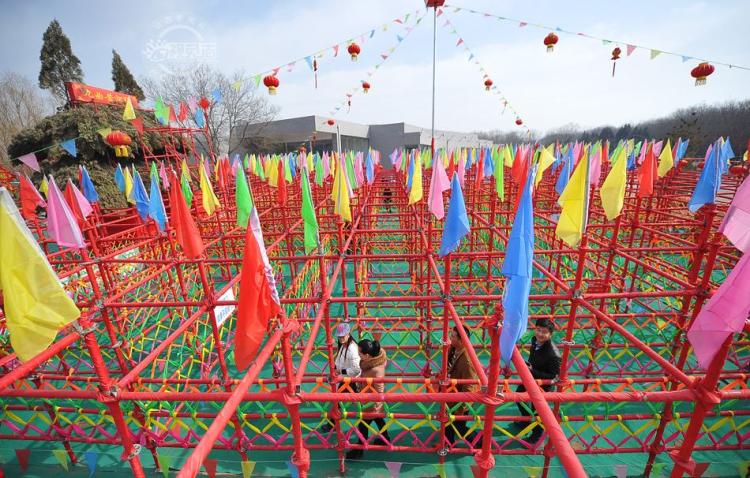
column 517, row 267
column 199, row 120
column 567, row 169
column 91, row 457
column 456, row 222
column 139, row 196
column 708, row 183
column 88, row 187
column 369, row 168
column 120, row 179
column 156, row 206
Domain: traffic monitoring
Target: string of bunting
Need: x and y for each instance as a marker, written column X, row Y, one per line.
column 489, row 84
column 30, row 159
column 630, row 46
column 312, row 58
column 364, row 85
column 91, row 458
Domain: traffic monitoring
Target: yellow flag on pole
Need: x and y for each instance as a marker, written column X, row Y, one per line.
column 612, row 191
column 574, row 202
column 416, row 181
column 546, row 158
column 36, row 305
column 666, row 161
column 209, row 200
column 128, row 186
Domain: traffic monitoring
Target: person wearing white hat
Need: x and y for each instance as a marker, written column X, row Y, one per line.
column 347, row 356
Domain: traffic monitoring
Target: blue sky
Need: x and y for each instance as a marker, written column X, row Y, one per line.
column 571, row 85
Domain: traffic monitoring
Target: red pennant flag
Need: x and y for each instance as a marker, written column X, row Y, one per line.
column 30, row 199
column 257, row 304
column 138, row 125
column 451, row 167
column 210, row 466
column 476, row 471
column 480, row 171
column 183, row 111
column 187, row 232
column 172, row 117
column 700, row 468
column 23, row 458
column 518, row 170
column 647, row 175
column 281, row 189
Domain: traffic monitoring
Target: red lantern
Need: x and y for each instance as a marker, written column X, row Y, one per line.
column 487, row 84
column 550, row 40
column 519, row 122
column 271, row 82
column 615, row 56
column 365, row 86
column 204, row 103
column 330, row 122
column 354, row 51
column 120, row 141
column 701, row 72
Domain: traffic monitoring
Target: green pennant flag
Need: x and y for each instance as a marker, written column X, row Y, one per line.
column 499, row 175
column 186, row 191
column 657, row 469
column 62, row 458
column 164, row 462
column 440, row 467
column 154, row 173
column 247, row 469
column 308, row 215
column 287, row 170
column 246, row 165
column 243, row 198
column 655, row 53
column 318, row 171
column 350, row 171
column 158, row 107
column 533, row 471
column 104, row 132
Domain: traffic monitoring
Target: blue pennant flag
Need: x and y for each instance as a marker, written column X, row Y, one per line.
column 517, row 267
column 567, row 169
column 120, row 179
column 70, row 147
column 88, row 187
column 369, row 168
column 309, row 61
column 457, row 221
column 199, row 119
column 293, row 471
column 708, row 183
column 216, row 95
column 139, row 196
column 411, row 171
column 91, row 457
column 292, row 165
column 681, row 150
column 489, row 165
column 156, row 205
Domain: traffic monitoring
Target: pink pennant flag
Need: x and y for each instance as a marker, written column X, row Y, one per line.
column 522, row 24
column 62, row 226
column 335, row 50
column 657, row 148
column 595, row 168
column 30, row 161
column 359, row 172
column 438, row 183
column 83, row 204
column 736, row 224
column 393, row 468
column 163, row 176
column 326, row 165
column 724, row 314
column 461, row 170
column 621, row 471
column 630, row 49
column 439, row 12
column 460, row 40
column 192, row 103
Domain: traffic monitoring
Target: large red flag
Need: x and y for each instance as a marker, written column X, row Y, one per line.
column 518, row 170
column 257, row 304
column 30, row 198
column 281, row 189
column 647, row 175
column 187, row 232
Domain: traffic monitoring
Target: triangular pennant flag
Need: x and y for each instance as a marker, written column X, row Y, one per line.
column 247, row 468
column 91, row 457
column 440, row 468
column 23, row 458
column 138, row 125
column 62, row 226
column 128, row 113
column 30, row 161
column 657, row 469
column 655, row 53
column 70, row 147
column 104, row 132
column 630, row 49
column 394, row 468
column 62, row 458
column 457, row 222
column 210, row 465
column 533, row 471
column 164, row 462
column 293, row 471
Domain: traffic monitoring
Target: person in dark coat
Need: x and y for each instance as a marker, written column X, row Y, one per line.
column 460, row 368
column 544, row 362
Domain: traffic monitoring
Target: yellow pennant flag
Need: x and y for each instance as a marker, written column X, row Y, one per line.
column 507, row 156
column 416, row 181
column 247, row 468
column 185, row 171
column 340, row 195
column 208, row 199
column 546, row 158
column 104, row 132
column 128, row 186
column 310, row 163
column 533, row 471
column 44, row 187
column 36, row 304
column 573, row 200
column 666, row 161
column 62, row 458
column 612, row 191
column 272, row 171
column 128, row 113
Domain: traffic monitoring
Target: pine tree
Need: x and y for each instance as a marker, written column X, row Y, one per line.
column 123, row 79
column 59, row 64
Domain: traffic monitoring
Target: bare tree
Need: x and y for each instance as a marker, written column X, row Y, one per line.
column 22, row 105
column 240, row 102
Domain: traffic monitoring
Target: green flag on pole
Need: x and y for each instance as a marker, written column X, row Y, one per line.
column 243, row 198
column 308, row 215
